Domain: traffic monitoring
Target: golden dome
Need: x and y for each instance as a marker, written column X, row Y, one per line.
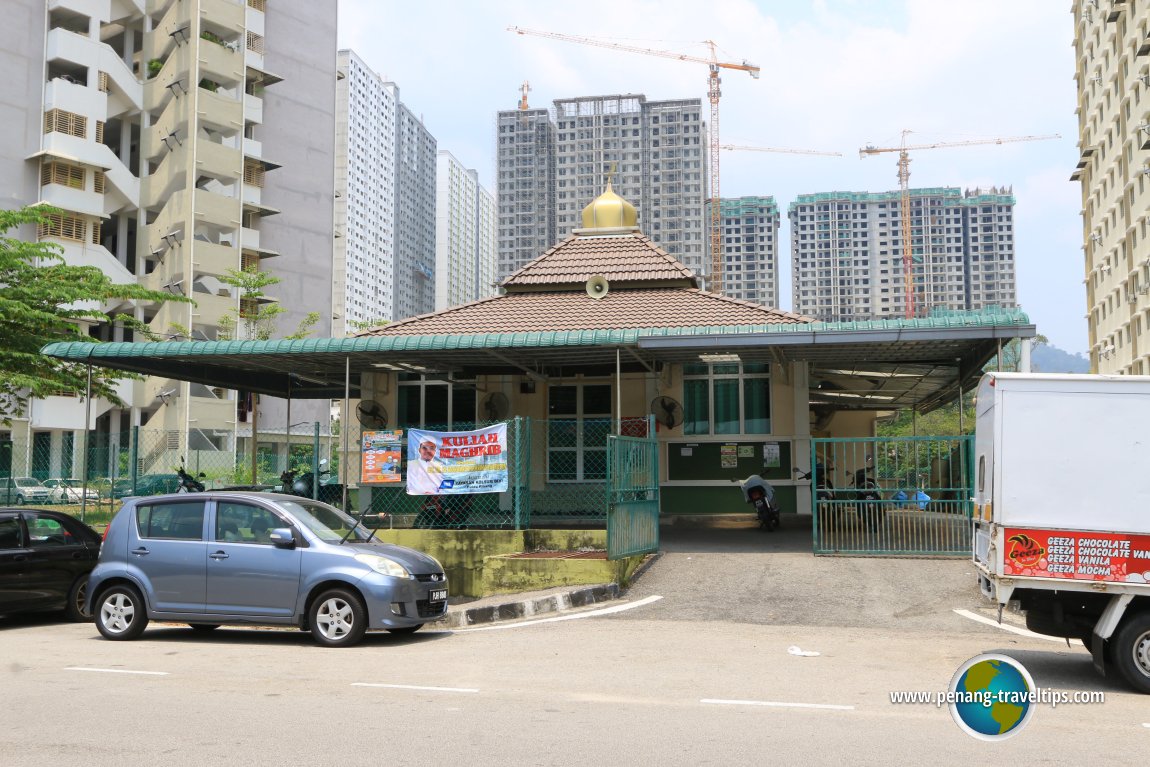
column 610, row 211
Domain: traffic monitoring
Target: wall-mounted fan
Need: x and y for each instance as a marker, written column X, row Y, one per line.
column 667, row 411
column 496, row 406
column 371, row 414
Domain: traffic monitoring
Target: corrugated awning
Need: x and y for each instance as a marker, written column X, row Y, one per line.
column 884, row 364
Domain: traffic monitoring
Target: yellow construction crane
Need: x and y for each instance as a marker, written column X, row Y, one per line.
column 904, row 187
column 740, row 148
column 713, row 93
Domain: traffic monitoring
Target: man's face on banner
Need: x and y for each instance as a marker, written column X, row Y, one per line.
column 426, row 450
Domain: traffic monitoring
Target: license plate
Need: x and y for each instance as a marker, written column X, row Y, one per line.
column 439, row 595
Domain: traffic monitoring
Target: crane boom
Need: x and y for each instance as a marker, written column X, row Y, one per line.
column 740, row 148
column 713, row 93
column 744, row 66
column 903, row 150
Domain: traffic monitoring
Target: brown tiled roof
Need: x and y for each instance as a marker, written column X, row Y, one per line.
column 623, row 257
column 539, row 311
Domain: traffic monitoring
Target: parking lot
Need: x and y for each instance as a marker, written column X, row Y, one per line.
column 701, row 671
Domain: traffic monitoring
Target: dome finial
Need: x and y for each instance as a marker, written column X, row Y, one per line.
column 609, row 210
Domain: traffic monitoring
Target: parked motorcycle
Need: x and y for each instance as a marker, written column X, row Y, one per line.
column 293, row 482
column 759, row 493
column 868, row 498
column 188, row 483
column 826, row 501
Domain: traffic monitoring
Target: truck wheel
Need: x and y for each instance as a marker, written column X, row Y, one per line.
column 1131, row 651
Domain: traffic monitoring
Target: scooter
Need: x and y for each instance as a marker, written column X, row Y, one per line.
column 868, row 497
column 301, row 485
column 188, row 483
column 759, row 493
column 825, row 498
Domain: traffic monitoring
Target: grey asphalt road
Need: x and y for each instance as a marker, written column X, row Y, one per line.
column 701, row 676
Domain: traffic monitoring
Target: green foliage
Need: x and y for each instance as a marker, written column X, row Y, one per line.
column 154, row 67
column 44, row 300
column 212, row 37
column 376, row 322
column 943, row 422
column 256, row 319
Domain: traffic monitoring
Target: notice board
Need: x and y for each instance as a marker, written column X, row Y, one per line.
column 736, row 459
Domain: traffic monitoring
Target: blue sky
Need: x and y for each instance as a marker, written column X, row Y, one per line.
column 836, row 75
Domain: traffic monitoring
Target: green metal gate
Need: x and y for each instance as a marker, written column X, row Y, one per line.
column 632, row 495
column 901, row 496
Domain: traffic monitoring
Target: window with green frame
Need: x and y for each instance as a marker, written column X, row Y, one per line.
column 433, row 403
column 728, row 398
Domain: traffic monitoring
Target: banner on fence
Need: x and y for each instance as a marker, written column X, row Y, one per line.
column 457, row 462
column 380, row 457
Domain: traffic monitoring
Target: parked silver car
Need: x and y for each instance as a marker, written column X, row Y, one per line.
column 215, row 558
column 22, row 490
column 70, row 490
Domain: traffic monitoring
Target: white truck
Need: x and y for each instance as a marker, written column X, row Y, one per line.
column 1062, row 509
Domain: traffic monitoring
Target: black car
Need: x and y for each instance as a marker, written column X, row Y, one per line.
column 146, row 484
column 45, row 559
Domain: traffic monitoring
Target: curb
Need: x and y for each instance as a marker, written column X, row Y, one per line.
column 518, row 610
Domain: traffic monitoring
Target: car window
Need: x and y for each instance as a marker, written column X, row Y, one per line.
column 45, row 532
column 11, row 536
column 183, row 521
column 328, row 524
column 245, row 523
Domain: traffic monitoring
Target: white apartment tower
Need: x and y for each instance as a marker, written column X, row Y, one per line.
column 750, row 240
column 653, row 151
column 526, row 187
column 148, row 125
column 846, row 252
column 1112, row 72
column 464, row 235
column 385, row 209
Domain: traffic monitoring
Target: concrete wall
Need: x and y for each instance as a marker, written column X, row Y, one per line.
column 299, row 133
column 21, row 100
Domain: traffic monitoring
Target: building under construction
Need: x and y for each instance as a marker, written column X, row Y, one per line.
column 846, row 252
column 553, row 162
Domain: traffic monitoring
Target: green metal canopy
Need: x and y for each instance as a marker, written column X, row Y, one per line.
column 880, row 364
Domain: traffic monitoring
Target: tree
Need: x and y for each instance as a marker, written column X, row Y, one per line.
column 43, row 299
column 255, row 320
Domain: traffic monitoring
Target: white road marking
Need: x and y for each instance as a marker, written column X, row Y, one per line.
column 415, row 687
column 116, row 671
column 1011, row 629
column 574, row 616
column 777, row 704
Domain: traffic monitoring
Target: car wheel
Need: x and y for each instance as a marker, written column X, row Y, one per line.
column 1131, row 651
column 19, row 500
column 203, row 628
column 337, row 618
column 407, row 629
column 120, row 613
column 75, row 610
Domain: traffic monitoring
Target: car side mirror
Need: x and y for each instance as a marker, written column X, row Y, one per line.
column 282, row 537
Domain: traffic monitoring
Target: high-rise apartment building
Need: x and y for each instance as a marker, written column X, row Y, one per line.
column 525, row 186
column 846, row 252
column 1112, row 71
column 464, row 235
column 385, row 210
column 750, row 241
column 653, row 151
column 156, row 129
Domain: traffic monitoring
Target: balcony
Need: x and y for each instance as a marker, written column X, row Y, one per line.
column 221, row 65
column 222, row 112
column 217, row 210
column 223, row 163
column 253, row 110
column 63, row 45
column 77, row 98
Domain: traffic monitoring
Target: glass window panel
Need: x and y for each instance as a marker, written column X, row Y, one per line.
column 435, row 406
column 757, row 404
column 561, row 400
column 462, row 408
column 597, row 400
column 410, row 409
column 595, row 431
column 561, row 433
column 697, row 407
column 727, row 407
column 695, row 369
column 561, row 465
column 726, row 370
column 595, row 464
column 756, row 367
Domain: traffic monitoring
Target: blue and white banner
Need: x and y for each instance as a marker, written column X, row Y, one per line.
column 457, row 462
